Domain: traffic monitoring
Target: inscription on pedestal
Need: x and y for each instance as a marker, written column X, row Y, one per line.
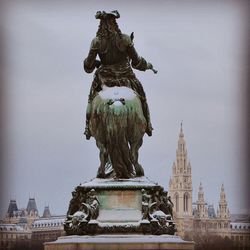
column 119, row 206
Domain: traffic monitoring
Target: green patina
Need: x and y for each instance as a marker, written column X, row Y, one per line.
column 116, row 117
column 131, row 107
column 118, row 129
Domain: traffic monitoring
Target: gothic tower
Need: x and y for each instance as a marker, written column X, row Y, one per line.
column 180, row 187
column 223, row 211
column 202, row 211
column 223, row 215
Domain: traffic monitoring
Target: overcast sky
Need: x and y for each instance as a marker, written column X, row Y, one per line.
column 198, row 49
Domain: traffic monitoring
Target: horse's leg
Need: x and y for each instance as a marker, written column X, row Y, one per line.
column 103, row 155
column 134, row 148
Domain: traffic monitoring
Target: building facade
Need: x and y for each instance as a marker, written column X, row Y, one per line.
column 48, row 227
column 25, row 229
column 12, row 235
column 199, row 218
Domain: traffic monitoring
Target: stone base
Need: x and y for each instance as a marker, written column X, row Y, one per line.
column 111, row 206
column 119, row 242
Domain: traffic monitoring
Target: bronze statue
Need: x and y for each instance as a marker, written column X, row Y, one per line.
column 117, row 54
column 117, row 117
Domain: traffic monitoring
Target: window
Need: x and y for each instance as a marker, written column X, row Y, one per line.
column 185, row 202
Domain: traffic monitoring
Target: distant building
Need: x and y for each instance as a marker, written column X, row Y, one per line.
column 15, row 215
column 240, row 229
column 47, row 228
column 13, row 234
column 24, row 226
column 198, row 217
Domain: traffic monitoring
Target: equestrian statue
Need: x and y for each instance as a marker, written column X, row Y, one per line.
column 117, row 113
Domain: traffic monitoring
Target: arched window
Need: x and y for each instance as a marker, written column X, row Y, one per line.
column 176, row 202
column 185, row 202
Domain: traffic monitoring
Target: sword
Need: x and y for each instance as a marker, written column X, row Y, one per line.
column 155, row 71
column 150, row 66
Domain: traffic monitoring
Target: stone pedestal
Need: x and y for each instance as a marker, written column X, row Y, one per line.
column 118, row 214
column 120, row 242
column 112, row 206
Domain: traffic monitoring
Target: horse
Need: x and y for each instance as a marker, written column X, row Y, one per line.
column 118, row 125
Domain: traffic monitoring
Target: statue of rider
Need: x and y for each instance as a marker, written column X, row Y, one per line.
column 117, row 54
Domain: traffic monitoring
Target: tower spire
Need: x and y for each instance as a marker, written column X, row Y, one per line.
column 181, row 130
column 223, row 211
column 180, row 186
column 201, row 204
column 201, row 194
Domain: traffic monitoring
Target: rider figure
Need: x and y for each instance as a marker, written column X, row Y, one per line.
column 117, row 53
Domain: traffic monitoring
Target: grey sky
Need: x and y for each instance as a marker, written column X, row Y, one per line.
column 198, row 49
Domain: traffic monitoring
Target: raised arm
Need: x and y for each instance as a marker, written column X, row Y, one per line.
column 137, row 61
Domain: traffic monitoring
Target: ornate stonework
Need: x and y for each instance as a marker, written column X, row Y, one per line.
column 194, row 217
column 110, row 206
column 180, row 187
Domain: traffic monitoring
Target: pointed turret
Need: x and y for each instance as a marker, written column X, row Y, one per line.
column 12, row 209
column 189, row 169
column 202, row 211
column 223, row 212
column 201, row 193
column 46, row 212
column 181, row 153
column 181, row 132
column 170, row 182
column 32, row 208
column 174, row 168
